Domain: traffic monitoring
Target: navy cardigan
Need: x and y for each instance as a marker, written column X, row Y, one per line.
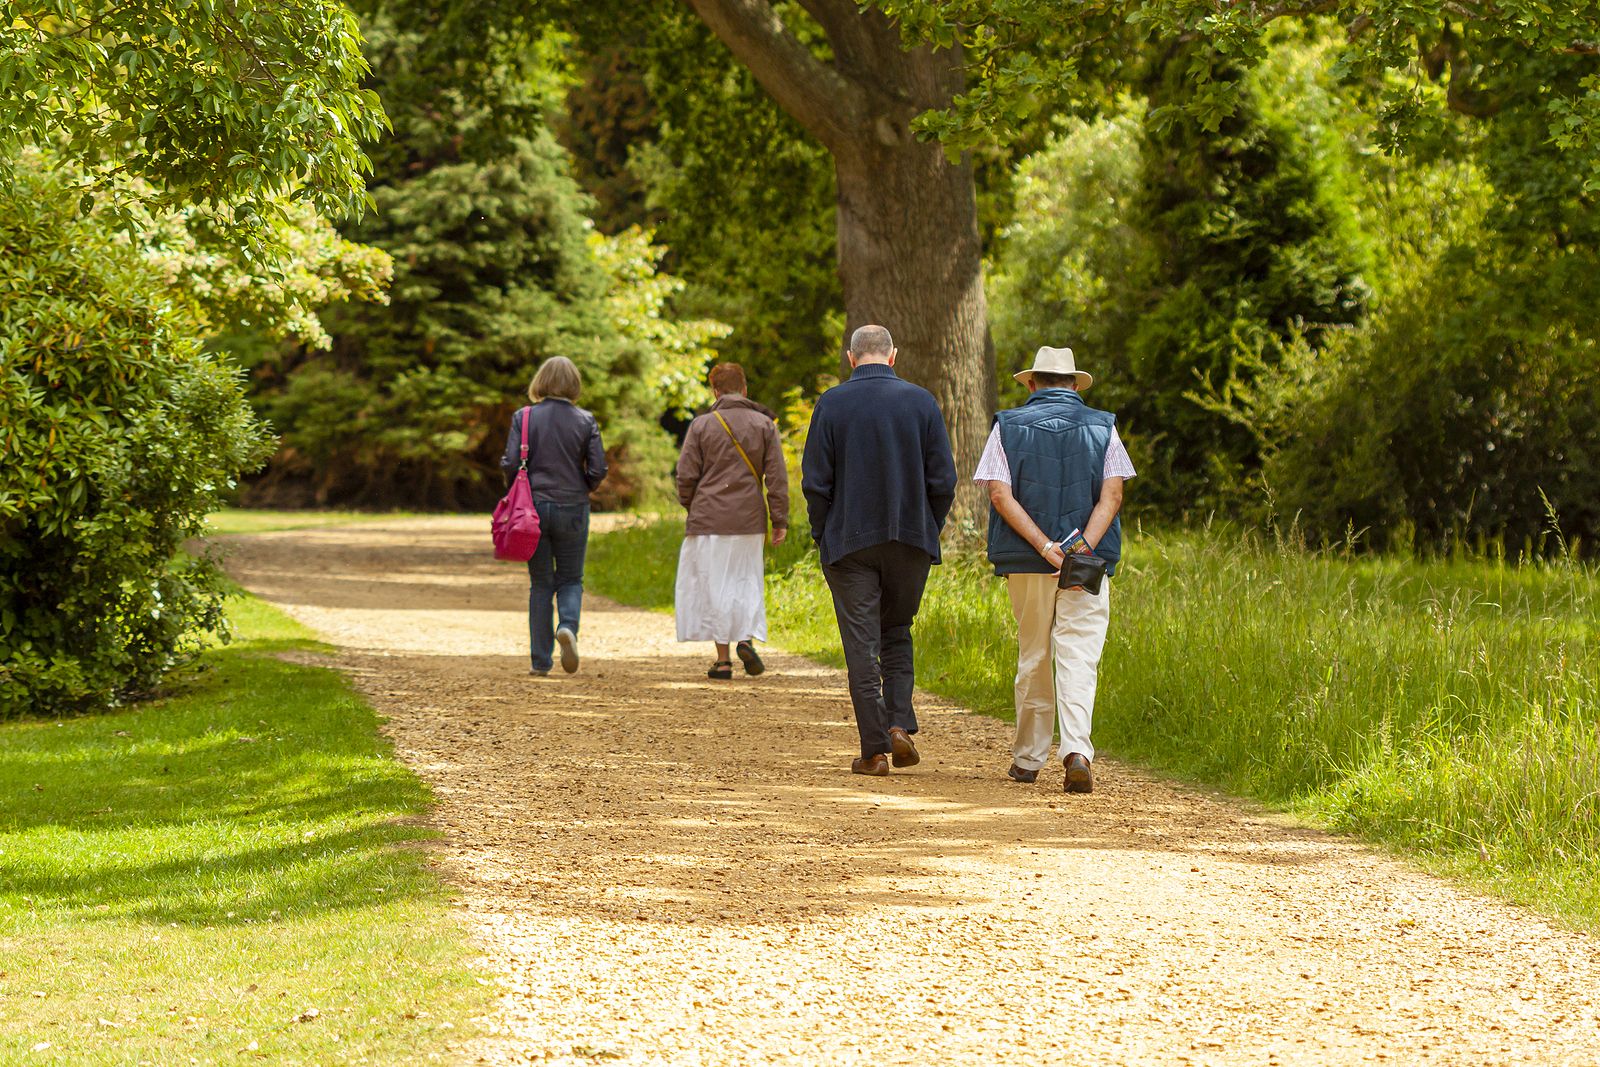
column 877, row 466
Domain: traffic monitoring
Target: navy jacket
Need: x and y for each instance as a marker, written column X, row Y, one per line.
column 877, row 466
column 1056, row 448
column 566, row 458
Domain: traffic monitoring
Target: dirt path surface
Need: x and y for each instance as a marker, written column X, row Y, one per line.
column 665, row 870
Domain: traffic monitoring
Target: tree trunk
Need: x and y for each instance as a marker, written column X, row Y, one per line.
column 910, row 259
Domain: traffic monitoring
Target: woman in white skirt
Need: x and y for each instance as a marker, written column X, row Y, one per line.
column 731, row 477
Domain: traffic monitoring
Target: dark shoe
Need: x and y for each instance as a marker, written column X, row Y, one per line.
column 747, row 656
column 1017, row 774
column 904, row 749
column 722, row 670
column 569, row 649
column 1080, row 778
column 537, row 673
column 877, row 766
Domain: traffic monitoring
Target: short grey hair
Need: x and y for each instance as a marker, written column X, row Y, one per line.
column 871, row 342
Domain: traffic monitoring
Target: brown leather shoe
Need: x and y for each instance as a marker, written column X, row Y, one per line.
column 1080, row 777
column 877, row 766
column 1018, row 774
column 904, row 749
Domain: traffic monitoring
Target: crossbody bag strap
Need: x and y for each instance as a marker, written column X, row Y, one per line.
column 745, row 456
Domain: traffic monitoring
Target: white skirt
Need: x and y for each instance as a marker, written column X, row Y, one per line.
column 720, row 595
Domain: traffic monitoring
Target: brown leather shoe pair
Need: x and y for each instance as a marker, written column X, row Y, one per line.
column 1080, row 776
column 905, row 755
column 877, row 766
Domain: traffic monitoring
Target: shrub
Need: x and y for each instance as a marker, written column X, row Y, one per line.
column 1468, row 411
column 1176, row 259
column 120, row 433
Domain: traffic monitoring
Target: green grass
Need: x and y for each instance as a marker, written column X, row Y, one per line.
column 181, row 881
column 1449, row 709
column 250, row 521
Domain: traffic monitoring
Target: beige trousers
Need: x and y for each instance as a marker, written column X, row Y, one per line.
column 1060, row 634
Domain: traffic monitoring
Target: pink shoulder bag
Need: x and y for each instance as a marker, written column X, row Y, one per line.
column 516, row 523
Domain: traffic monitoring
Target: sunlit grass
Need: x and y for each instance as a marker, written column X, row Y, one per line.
column 1448, row 708
column 250, row 520
column 230, row 872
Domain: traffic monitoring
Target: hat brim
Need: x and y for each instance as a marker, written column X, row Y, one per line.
column 1085, row 379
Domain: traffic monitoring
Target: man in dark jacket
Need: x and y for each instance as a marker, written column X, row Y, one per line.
column 879, row 481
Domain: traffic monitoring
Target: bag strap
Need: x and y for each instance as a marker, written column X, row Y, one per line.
column 526, row 412
column 745, row 456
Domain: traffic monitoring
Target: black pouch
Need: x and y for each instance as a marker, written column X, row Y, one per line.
column 1082, row 568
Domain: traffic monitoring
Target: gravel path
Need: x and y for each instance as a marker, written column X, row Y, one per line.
column 665, row 870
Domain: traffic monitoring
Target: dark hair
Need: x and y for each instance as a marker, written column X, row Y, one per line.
column 1046, row 380
column 728, row 378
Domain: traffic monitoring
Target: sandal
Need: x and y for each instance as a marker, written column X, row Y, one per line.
column 722, row 670
column 747, row 656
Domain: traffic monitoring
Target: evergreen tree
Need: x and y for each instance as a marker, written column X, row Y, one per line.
column 1254, row 244
column 495, row 271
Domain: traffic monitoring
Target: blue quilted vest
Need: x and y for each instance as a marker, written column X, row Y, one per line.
column 1056, row 448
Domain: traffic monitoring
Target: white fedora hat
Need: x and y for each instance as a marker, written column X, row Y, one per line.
column 1055, row 361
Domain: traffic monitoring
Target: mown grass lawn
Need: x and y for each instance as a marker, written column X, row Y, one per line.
column 1448, row 708
column 231, row 873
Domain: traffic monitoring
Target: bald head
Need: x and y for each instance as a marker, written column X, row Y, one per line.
column 871, row 344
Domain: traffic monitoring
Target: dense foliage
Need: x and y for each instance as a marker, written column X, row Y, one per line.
column 667, row 129
column 1044, row 55
column 1176, row 262
column 120, row 434
column 188, row 148
column 238, row 105
column 496, row 268
column 1466, row 412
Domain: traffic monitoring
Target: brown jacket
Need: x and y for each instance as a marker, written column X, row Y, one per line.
column 715, row 484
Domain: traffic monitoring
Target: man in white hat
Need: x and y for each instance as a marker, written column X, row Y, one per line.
column 1054, row 467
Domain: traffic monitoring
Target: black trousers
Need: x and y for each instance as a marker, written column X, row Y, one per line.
column 876, row 593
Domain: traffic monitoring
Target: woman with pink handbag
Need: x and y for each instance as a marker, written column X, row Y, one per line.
column 565, row 460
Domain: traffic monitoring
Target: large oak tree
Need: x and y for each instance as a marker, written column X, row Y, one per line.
column 910, row 256
column 897, row 90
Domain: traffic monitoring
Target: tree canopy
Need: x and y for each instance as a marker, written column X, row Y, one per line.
column 236, row 104
column 163, row 170
column 1468, row 55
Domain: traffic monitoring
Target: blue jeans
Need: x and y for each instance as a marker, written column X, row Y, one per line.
column 556, row 572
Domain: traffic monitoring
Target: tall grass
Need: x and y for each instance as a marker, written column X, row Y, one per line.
column 1448, row 708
